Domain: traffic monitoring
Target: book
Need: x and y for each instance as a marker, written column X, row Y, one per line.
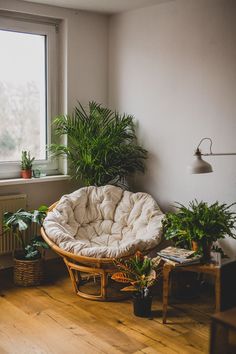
column 177, row 252
column 180, row 255
column 190, row 261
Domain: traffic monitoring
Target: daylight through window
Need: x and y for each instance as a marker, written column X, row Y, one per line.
column 22, row 95
column 28, row 90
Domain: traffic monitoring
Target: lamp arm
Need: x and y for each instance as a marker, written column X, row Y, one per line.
column 199, row 153
column 219, row 154
column 202, row 141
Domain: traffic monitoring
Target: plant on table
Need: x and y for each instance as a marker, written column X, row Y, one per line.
column 15, row 225
column 201, row 223
column 141, row 272
column 102, row 146
column 26, row 164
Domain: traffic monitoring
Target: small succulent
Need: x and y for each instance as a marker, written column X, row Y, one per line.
column 26, row 160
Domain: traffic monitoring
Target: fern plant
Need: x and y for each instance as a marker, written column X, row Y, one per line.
column 102, row 146
column 201, row 223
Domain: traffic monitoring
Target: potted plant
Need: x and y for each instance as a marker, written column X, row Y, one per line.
column 199, row 225
column 102, row 146
column 28, row 264
column 141, row 272
column 26, row 164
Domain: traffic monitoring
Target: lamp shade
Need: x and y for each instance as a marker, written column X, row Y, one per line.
column 200, row 166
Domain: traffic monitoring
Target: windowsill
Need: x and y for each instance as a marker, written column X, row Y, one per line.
column 14, row 181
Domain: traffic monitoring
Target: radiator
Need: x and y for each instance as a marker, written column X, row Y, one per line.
column 12, row 203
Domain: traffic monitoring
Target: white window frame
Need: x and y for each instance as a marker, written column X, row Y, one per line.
column 38, row 26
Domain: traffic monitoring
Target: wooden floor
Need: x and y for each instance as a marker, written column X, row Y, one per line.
column 52, row 319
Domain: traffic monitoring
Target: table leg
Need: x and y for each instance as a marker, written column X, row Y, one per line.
column 219, row 336
column 218, row 291
column 166, row 280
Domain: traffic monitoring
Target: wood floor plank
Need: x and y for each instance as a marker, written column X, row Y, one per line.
column 156, row 331
column 51, row 319
column 19, row 331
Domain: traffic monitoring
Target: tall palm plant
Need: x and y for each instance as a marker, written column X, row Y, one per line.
column 102, row 146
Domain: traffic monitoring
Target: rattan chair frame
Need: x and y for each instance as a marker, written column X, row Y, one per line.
column 76, row 264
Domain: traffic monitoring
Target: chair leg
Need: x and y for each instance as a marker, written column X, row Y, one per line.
column 75, row 270
column 73, row 276
column 104, row 282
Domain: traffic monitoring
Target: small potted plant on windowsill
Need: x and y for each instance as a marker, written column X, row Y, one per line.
column 26, row 164
column 199, row 225
column 141, row 272
column 28, row 262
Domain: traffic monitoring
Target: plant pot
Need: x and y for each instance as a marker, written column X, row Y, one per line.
column 204, row 247
column 142, row 305
column 26, row 174
column 27, row 272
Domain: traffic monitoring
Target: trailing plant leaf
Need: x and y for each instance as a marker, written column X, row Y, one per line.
column 102, row 146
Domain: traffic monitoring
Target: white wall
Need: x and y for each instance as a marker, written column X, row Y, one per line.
column 173, row 66
column 83, row 75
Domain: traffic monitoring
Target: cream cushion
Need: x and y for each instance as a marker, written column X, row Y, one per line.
column 105, row 222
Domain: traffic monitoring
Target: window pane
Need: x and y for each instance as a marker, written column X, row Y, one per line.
column 22, row 95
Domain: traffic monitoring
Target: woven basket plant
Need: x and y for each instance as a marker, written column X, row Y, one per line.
column 28, row 263
column 28, row 272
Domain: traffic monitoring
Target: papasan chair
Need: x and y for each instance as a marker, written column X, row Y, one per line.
column 93, row 225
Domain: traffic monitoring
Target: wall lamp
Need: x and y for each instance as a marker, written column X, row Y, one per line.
column 201, row 166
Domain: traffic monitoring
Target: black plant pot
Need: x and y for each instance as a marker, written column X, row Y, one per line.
column 142, row 305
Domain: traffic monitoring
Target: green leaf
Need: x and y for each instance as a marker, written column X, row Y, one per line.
column 38, row 241
column 20, row 221
column 199, row 222
column 102, row 145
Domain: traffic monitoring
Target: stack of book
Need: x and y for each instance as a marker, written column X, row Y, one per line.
column 180, row 255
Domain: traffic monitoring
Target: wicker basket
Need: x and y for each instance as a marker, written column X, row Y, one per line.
column 28, row 272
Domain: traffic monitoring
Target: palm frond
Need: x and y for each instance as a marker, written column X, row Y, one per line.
column 102, row 145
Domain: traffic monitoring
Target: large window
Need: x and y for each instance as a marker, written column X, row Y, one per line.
column 28, row 90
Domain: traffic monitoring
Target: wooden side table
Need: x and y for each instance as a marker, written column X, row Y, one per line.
column 211, row 269
column 223, row 332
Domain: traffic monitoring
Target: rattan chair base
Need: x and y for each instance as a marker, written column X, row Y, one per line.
column 101, row 268
column 106, row 289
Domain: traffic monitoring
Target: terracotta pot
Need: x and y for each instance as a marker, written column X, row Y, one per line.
column 194, row 246
column 26, row 174
column 205, row 247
